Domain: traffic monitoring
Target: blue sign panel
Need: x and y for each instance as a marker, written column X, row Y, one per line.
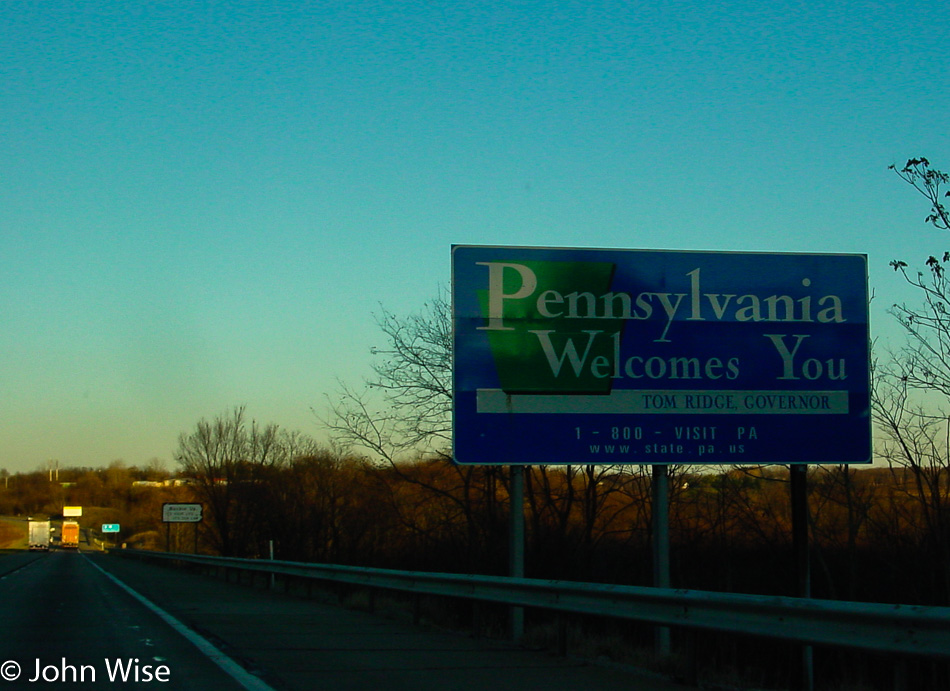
column 566, row 356
column 110, row 527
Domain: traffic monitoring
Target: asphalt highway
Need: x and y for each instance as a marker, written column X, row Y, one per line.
column 66, row 622
column 99, row 620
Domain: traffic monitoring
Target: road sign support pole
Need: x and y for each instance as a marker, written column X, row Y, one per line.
column 799, row 496
column 661, row 546
column 516, row 544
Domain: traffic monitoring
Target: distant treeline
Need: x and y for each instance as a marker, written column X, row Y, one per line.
column 873, row 538
column 878, row 534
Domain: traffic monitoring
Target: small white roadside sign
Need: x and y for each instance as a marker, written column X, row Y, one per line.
column 181, row 513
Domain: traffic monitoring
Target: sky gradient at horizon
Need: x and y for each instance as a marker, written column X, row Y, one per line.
column 204, row 205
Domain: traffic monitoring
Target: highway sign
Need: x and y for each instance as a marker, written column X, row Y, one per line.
column 181, row 513
column 110, row 527
column 72, row 511
column 650, row 357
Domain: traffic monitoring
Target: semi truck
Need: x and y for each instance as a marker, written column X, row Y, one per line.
column 70, row 535
column 39, row 535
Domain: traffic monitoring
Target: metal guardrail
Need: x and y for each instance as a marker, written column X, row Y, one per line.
column 902, row 629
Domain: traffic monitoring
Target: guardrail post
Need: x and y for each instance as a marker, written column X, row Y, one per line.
column 561, row 621
column 416, row 608
column 691, row 668
column 270, row 546
column 900, row 674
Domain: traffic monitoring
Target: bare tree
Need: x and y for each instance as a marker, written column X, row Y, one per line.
column 224, row 456
column 403, row 415
column 413, row 372
column 918, row 173
column 915, row 439
column 911, row 387
column 925, row 362
column 842, row 504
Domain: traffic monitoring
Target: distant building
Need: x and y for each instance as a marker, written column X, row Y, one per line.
column 171, row 482
column 179, row 482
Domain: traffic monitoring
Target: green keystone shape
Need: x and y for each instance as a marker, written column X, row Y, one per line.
column 523, row 355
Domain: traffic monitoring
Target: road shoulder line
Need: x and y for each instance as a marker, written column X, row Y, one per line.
column 236, row 671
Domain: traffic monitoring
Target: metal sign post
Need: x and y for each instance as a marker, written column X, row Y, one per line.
column 181, row 513
column 660, row 491
column 112, row 529
column 517, row 545
column 798, row 476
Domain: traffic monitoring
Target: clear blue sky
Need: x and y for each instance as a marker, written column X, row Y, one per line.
column 203, row 204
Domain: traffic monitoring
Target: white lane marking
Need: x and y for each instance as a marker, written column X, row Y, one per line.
column 19, row 568
column 238, row 673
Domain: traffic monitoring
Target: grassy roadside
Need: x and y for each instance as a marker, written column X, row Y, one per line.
column 13, row 533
